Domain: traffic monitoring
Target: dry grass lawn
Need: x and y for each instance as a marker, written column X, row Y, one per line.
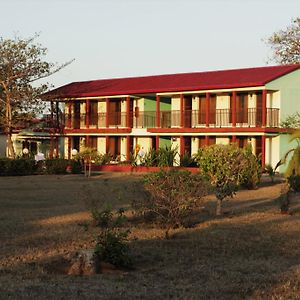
column 252, row 252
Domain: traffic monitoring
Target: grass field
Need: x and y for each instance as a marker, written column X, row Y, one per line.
column 252, row 252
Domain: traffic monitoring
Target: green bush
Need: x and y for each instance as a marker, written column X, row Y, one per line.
column 56, row 166
column 171, row 196
column 17, row 167
column 223, row 165
column 294, row 182
column 186, row 160
column 166, row 156
column 251, row 174
column 112, row 242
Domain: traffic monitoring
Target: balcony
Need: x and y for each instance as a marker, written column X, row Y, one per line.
column 172, row 119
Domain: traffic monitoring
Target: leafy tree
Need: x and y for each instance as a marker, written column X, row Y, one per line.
column 22, row 64
column 291, row 121
column 224, row 166
column 171, row 196
column 286, row 44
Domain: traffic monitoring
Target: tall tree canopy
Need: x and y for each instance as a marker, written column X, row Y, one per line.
column 22, row 64
column 286, row 44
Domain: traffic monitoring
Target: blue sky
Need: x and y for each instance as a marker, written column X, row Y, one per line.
column 121, row 38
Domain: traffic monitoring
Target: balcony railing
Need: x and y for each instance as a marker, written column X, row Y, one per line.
column 251, row 117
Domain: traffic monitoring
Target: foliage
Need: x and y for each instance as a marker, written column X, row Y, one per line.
column 286, row 44
column 294, row 164
column 171, row 196
column 223, row 165
column 56, row 166
column 270, row 171
column 17, row 167
column 112, row 242
column 186, row 160
column 150, row 158
column 166, row 156
column 21, row 64
column 291, row 121
column 251, row 174
column 294, row 182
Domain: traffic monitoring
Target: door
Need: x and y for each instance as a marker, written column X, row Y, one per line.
column 76, row 119
column 242, row 108
column 212, row 109
column 114, row 146
column 202, row 109
column 115, row 112
column 188, row 111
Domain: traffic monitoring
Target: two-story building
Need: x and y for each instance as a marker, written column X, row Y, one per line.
column 186, row 111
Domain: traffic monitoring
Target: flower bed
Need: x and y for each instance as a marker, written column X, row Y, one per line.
column 135, row 169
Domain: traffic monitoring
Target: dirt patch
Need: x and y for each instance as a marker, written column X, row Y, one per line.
column 252, row 252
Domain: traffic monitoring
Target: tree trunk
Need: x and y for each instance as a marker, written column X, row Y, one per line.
column 10, row 146
column 219, row 207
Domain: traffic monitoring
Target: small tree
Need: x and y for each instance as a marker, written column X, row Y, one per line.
column 223, row 165
column 286, row 44
column 171, row 197
column 21, row 64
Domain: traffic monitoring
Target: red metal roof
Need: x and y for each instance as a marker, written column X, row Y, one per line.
column 173, row 82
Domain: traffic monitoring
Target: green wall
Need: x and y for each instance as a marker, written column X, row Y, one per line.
column 164, row 141
column 150, row 104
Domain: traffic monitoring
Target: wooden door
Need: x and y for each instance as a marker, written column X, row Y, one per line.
column 76, row 118
column 202, row 109
column 259, row 109
column 188, row 111
column 242, row 108
column 212, row 109
column 115, row 112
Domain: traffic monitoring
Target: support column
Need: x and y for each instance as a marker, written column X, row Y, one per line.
column 157, row 142
column 87, row 113
column 263, row 151
column 70, row 114
column 181, row 151
column 107, row 113
column 106, row 144
column 264, row 108
column 181, row 110
column 69, row 147
column 128, row 148
column 207, row 109
column 233, row 109
column 157, row 111
column 206, row 140
column 128, row 112
column 233, row 139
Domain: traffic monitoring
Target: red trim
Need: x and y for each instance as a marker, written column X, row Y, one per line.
column 234, row 139
column 128, row 111
column 263, row 151
column 264, row 108
column 99, row 130
column 233, row 109
column 181, row 151
column 181, row 110
column 157, row 111
column 207, row 140
column 217, row 130
column 127, row 147
column 207, row 109
column 131, row 169
column 107, row 113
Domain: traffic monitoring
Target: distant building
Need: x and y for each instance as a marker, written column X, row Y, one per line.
column 187, row 111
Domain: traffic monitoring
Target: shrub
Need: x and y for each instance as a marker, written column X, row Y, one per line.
column 171, row 196
column 186, row 160
column 270, row 171
column 166, row 156
column 252, row 171
column 294, row 182
column 223, row 165
column 17, row 167
column 56, row 166
column 150, row 158
column 112, row 242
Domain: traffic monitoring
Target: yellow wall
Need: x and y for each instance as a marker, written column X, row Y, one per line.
column 101, row 145
column 222, row 140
